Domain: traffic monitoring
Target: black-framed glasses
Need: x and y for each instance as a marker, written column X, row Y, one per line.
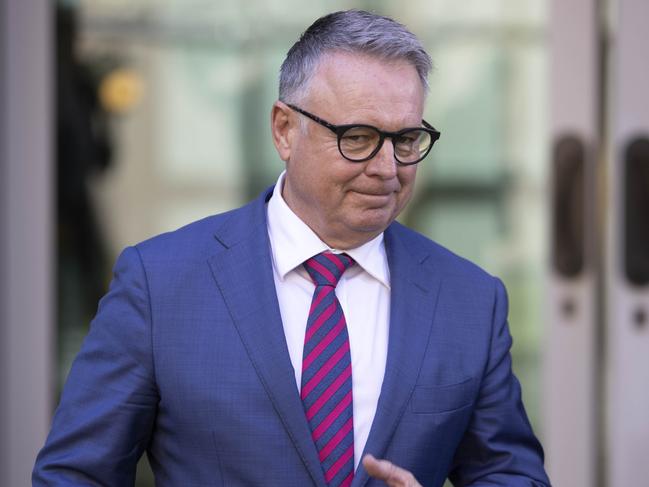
column 360, row 142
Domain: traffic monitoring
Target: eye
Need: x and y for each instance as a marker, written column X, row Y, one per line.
column 357, row 142
column 409, row 137
column 405, row 141
column 359, row 136
column 356, row 138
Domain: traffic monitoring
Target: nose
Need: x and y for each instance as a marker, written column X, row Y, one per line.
column 383, row 164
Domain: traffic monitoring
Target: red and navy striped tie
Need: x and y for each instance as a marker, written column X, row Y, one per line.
column 327, row 371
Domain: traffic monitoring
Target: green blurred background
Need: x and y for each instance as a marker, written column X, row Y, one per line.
column 187, row 87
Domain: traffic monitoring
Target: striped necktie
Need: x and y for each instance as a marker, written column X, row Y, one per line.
column 327, row 371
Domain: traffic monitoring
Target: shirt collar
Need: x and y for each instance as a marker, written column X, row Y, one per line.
column 293, row 242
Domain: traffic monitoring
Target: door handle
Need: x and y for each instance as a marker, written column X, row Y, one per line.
column 636, row 211
column 568, row 206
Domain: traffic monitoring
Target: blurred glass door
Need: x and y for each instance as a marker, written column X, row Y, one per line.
column 189, row 86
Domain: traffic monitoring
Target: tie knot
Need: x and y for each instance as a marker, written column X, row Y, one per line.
column 326, row 268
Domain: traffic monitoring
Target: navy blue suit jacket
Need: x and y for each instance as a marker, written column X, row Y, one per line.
column 187, row 360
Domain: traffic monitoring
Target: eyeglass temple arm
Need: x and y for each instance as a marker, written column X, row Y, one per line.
column 313, row 117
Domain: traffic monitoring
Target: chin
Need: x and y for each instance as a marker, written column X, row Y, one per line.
column 372, row 221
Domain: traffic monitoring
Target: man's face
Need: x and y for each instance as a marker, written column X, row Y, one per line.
column 348, row 203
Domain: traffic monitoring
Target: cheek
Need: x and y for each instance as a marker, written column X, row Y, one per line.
column 340, row 176
column 407, row 180
column 323, row 188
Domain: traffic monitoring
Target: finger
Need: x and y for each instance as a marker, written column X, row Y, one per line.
column 388, row 472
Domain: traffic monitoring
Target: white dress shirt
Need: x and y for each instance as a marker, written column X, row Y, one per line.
column 363, row 292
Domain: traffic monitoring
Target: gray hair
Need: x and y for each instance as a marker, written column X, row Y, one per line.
column 353, row 31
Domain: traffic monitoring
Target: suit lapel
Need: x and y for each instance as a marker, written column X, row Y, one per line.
column 412, row 305
column 244, row 275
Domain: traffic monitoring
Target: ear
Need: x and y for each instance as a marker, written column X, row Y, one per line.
column 282, row 125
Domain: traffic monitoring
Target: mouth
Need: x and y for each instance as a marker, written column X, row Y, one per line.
column 378, row 193
column 375, row 199
column 375, row 195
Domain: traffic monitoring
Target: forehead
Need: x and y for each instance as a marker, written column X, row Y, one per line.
column 351, row 85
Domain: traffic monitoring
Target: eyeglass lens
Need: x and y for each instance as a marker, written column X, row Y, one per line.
column 358, row 143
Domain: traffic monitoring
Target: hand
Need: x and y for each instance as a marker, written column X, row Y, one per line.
column 392, row 475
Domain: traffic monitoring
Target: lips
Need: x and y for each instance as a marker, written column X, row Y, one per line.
column 364, row 193
column 383, row 192
column 375, row 200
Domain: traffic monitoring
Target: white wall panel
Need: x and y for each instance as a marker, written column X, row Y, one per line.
column 570, row 383
column 26, row 212
column 628, row 301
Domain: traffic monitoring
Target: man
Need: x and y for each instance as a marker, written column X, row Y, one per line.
column 283, row 342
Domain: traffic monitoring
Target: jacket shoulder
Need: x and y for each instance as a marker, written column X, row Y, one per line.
column 195, row 240
column 440, row 258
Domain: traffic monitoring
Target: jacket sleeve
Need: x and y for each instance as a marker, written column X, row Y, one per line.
column 499, row 447
column 107, row 409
